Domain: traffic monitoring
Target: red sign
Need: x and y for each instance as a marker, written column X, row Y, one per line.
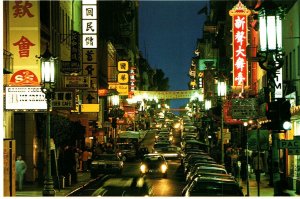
column 24, row 78
column 239, row 15
column 102, row 92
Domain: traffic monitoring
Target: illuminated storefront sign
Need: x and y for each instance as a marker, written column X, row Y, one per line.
column 25, row 99
column 24, row 39
column 239, row 15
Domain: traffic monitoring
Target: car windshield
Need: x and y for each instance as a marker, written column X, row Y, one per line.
column 106, row 157
column 153, row 159
column 168, row 149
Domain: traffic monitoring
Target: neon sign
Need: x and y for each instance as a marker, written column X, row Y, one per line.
column 239, row 15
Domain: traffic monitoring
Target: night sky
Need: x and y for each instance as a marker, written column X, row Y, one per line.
column 168, row 32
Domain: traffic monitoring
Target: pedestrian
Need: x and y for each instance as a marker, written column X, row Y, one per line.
column 234, row 162
column 85, row 156
column 21, row 168
column 257, row 165
column 244, row 165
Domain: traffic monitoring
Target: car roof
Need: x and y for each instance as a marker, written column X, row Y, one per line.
column 212, row 179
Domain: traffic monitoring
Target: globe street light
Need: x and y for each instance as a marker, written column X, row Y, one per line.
column 222, row 94
column 48, row 63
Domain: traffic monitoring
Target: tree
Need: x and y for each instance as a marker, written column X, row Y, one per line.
column 160, row 81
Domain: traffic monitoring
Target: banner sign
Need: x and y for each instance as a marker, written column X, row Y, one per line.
column 239, row 15
column 24, row 36
column 168, row 94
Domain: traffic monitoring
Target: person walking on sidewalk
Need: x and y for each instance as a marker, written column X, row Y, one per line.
column 21, row 168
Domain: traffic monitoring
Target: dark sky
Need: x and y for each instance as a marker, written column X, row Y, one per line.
column 168, row 32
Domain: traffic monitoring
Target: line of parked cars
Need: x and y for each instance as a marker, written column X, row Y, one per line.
column 203, row 175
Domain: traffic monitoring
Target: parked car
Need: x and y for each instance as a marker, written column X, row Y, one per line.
column 125, row 186
column 201, row 164
column 207, row 169
column 106, row 163
column 205, row 174
column 208, row 186
column 154, row 163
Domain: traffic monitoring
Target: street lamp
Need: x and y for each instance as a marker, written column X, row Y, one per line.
column 271, row 59
column 48, row 63
column 222, row 90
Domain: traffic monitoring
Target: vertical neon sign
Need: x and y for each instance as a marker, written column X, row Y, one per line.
column 239, row 15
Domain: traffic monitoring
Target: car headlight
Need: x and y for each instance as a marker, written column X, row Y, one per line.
column 163, row 168
column 143, row 168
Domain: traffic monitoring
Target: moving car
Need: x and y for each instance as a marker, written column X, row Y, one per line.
column 106, row 163
column 126, row 151
column 170, row 152
column 154, row 163
column 125, row 186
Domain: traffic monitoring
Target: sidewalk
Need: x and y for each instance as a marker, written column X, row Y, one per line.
column 37, row 190
column 264, row 188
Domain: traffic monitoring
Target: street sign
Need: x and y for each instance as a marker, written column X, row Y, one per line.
column 289, row 144
column 293, row 151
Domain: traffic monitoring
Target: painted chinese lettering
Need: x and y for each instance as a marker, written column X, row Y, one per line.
column 89, row 27
column 24, row 45
column 89, row 55
column 22, row 9
column 89, row 41
column 89, row 12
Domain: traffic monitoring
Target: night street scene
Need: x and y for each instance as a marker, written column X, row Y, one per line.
column 151, row 98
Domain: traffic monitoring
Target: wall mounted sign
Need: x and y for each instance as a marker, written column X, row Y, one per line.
column 239, row 15
column 24, row 78
column 25, row 99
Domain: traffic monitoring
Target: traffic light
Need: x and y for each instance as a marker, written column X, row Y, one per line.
column 280, row 115
column 285, row 114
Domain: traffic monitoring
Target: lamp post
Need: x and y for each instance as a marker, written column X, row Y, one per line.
column 47, row 86
column 222, row 94
column 115, row 113
column 271, row 59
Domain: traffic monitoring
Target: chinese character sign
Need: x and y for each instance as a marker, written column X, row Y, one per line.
column 24, row 36
column 239, row 15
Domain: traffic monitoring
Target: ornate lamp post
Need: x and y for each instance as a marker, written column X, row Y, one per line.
column 271, row 59
column 48, row 63
column 115, row 113
column 222, row 90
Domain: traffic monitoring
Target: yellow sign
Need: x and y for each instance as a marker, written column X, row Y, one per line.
column 123, row 66
column 24, row 35
column 123, row 78
column 121, row 88
column 87, row 108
